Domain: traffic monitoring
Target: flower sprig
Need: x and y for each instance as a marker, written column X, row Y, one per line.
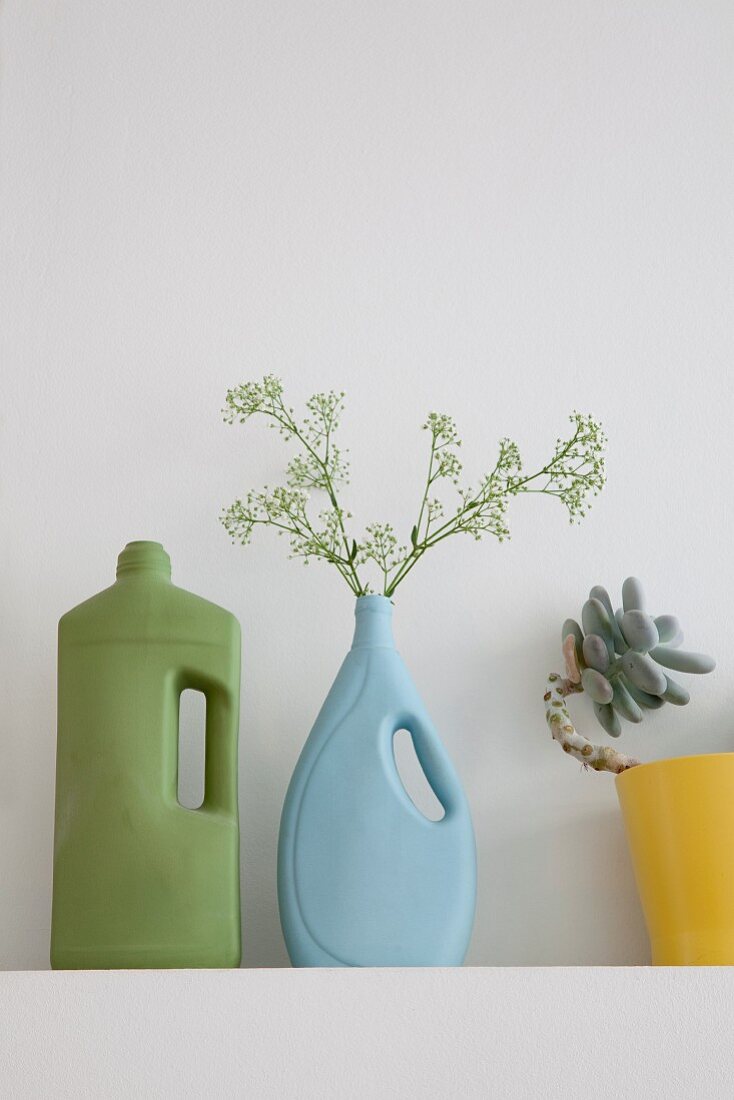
column 574, row 474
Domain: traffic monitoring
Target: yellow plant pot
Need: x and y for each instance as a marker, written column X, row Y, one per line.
column 679, row 816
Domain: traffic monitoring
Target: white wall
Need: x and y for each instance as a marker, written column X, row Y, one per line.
column 503, row 210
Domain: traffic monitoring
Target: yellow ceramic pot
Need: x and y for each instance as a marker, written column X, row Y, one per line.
column 679, row 816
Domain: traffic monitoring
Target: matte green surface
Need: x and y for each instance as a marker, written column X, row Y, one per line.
column 140, row 881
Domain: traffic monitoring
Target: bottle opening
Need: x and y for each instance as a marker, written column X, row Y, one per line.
column 144, row 557
column 379, row 605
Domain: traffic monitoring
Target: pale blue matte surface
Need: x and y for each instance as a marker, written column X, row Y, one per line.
column 364, row 879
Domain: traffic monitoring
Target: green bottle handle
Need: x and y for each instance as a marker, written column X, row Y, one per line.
column 221, row 736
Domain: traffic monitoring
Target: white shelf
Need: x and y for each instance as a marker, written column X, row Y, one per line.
column 474, row 1032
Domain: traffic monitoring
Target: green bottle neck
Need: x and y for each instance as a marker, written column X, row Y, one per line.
column 144, row 559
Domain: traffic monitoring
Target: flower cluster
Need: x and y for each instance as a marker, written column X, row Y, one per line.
column 254, row 397
column 574, row 473
column 576, row 470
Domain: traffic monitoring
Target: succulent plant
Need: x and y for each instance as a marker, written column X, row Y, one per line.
column 622, row 661
column 621, row 658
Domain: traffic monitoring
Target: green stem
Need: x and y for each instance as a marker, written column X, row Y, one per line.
column 429, row 482
column 290, row 425
column 453, row 526
column 309, row 532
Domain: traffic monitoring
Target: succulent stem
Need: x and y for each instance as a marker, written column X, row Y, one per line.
column 601, row 758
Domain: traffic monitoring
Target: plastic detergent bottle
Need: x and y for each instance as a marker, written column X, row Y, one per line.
column 364, row 877
column 140, row 880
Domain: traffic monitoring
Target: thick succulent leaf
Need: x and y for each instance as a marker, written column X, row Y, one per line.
column 596, row 621
column 596, row 654
column 571, row 658
column 669, row 630
column 619, row 642
column 573, row 638
column 598, row 592
column 682, row 661
column 570, row 626
column 675, row 693
column 639, row 631
column 649, row 702
column 643, row 672
column 633, row 598
column 624, row 704
column 596, row 685
column 607, row 719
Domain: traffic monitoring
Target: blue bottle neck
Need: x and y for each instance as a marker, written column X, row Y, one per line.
column 373, row 623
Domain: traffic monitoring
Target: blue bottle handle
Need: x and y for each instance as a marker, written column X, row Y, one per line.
column 434, row 761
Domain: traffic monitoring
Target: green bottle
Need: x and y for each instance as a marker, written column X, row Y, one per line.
column 139, row 880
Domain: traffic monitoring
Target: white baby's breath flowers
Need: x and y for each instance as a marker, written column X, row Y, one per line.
column 574, row 474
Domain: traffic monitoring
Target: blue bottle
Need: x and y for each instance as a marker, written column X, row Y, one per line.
column 364, row 878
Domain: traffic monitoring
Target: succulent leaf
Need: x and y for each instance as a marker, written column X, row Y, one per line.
column 607, row 719
column 596, row 654
column 571, row 657
column 598, row 592
column 639, row 631
column 647, row 701
column 675, row 693
column 633, row 598
column 572, row 627
column 596, row 621
column 669, row 629
column 596, row 686
column 619, row 640
column 624, row 704
column 642, row 671
column 682, row 661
